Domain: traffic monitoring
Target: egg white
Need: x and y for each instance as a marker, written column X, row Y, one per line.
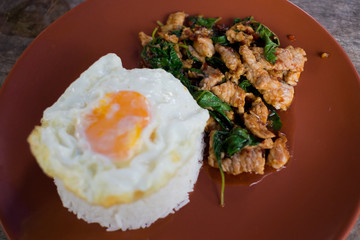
column 168, row 142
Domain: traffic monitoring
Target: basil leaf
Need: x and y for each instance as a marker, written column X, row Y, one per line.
column 176, row 32
column 274, row 121
column 245, row 85
column 217, row 146
column 207, row 99
column 220, row 40
column 161, row 54
column 196, row 70
column 244, row 20
column 270, row 39
column 216, row 62
column 205, row 22
column 222, row 119
column 237, row 139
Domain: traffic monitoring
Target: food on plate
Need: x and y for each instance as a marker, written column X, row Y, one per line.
column 124, row 146
column 241, row 75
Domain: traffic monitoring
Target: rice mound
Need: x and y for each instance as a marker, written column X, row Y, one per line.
column 143, row 212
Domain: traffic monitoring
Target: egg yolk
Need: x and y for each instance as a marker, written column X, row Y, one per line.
column 115, row 125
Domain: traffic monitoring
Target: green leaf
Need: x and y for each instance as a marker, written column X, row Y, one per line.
column 207, row 99
column 237, row 139
column 176, row 32
column 161, row 54
column 270, row 39
column 230, row 142
column 244, row 20
column 274, row 121
column 205, row 22
column 245, row 85
column 217, row 146
column 222, row 119
column 220, row 40
column 196, row 70
column 216, row 62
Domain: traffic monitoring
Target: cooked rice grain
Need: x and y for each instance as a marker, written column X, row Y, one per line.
column 144, row 212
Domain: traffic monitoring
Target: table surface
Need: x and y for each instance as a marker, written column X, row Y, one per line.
column 340, row 17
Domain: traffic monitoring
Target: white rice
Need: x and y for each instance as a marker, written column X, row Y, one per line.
column 143, row 212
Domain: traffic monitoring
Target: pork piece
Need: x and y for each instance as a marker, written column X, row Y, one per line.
column 274, row 74
column 175, row 21
column 250, row 159
column 186, row 33
column 240, row 33
column 287, row 59
column 257, row 119
column 256, row 126
column 290, row 58
column 144, row 38
column 260, row 58
column 292, row 78
column 202, row 31
column 204, row 46
column 266, row 144
column 279, row 154
column 195, row 54
column 193, row 74
column 277, row 93
column 232, row 94
column 289, row 63
column 212, row 77
column 259, row 109
column 187, row 63
column 170, row 38
column 232, row 61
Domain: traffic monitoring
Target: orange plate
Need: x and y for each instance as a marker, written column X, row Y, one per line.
column 316, row 196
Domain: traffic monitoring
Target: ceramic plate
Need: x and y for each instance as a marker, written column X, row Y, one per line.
column 316, row 196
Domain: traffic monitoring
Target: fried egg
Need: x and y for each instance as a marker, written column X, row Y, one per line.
column 118, row 135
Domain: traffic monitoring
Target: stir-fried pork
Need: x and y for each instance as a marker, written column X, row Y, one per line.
column 232, row 61
column 232, row 94
column 231, row 72
column 212, row 77
column 240, row 33
column 204, row 46
column 175, row 21
column 144, row 38
column 277, row 93
column 278, row 155
column 250, row 159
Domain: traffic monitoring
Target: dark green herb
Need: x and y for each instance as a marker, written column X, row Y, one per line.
column 245, row 85
column 244, row 20
column 192, row 57
column 196, row 70
column 216, row 62
column 274, row 121
column 224, row 121
column 270, row 39
column 161, row 54
column 235, row 140
column 208, row 100
column 176, row 32
column 220, row 40
column 201, row 21
column 218, row 138
column 230, row 142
